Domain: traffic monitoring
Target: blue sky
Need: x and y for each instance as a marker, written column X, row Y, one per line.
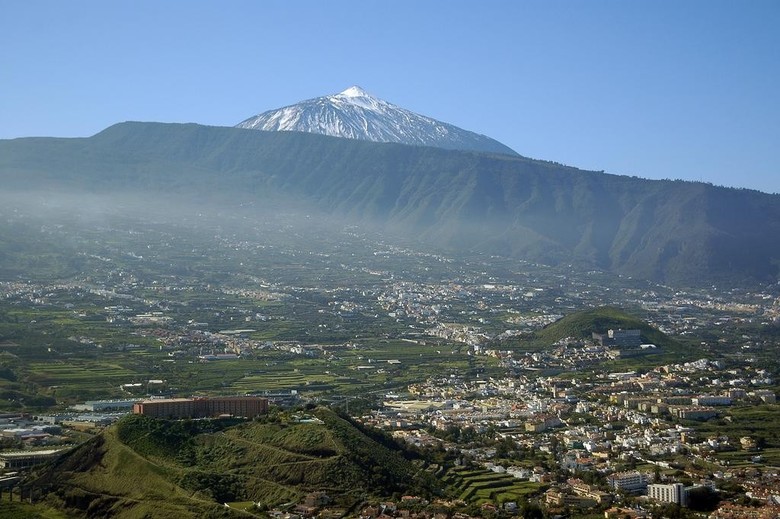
column 656, row 89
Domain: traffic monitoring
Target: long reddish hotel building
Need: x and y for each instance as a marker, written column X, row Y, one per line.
column 243, row 406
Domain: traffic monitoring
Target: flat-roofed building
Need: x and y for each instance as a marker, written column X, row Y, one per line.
column 619, row 338
column 674, row 493
column 166, row 408
column 704, row 400
column 245, row 406
column 105, row 405
column 240, row 406
column 20, row 460
column 631, row 481
column 695, row 413
column 583, row 489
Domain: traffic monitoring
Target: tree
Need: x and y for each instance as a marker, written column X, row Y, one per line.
column 702, row 499
column 531, row 510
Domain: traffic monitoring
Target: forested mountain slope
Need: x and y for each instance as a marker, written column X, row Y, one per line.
column 669, row 231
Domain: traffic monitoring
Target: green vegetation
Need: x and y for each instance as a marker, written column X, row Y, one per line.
column 147, row 466
column 582, row 324
column 482, row 486
column 20, row 510
column 761, row 422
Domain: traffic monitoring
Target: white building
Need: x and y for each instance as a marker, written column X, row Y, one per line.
column 21, row 460
column 674, row 493
column 96, row 406
column 704, row 400
column 628, row 481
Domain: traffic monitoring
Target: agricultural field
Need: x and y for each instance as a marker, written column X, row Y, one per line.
column 743, row 459
column 482, row 486
column 68, row 359
column 761, row 422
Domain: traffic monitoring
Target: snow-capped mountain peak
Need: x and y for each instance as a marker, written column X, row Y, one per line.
column 356, row 114
column 354, row 91
column 355, row 95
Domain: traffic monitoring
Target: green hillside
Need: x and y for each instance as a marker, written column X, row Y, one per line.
column 149, row 468
column 582, row 324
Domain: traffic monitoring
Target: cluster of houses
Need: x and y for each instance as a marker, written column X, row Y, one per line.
column 572, row 419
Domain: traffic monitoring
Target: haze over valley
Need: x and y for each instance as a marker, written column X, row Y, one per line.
column 681, row 232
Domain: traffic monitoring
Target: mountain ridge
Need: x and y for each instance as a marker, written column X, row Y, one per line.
column 668, row 231
column 356, row 114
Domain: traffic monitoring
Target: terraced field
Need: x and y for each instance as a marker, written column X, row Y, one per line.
column 481, row 486
column 63, row 373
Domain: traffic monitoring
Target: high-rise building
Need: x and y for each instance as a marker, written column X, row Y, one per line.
column 674, row 493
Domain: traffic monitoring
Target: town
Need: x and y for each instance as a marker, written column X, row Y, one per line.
column 482, row 358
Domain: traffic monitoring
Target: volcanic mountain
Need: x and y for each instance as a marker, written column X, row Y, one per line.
column 355, row 114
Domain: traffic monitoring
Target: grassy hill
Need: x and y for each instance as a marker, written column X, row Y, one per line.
column 582, row 324
column 151, row 468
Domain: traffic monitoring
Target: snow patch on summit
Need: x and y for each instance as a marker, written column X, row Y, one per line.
column 354, row 91
column 356, row 114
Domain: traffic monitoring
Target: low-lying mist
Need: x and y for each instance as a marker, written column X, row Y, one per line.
column 49, row 236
